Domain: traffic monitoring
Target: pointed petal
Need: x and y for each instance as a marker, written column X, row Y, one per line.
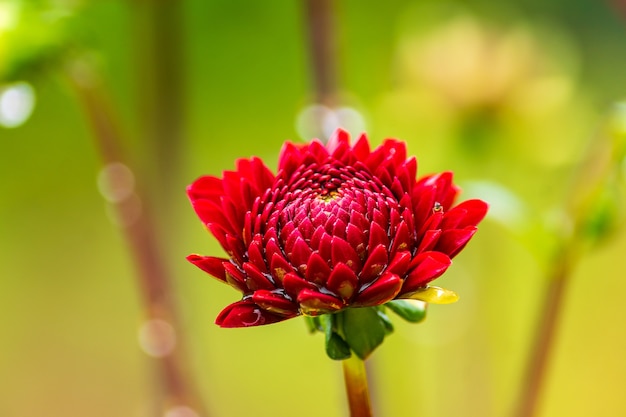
column 374, row 265
column 400, row 263
column 206, row 187
column 342, row 281
column 425, row 267
column 235, row 277
column 382, row 290
column 343, row 253
column 293, row 285
column 255, row 280
column 317, row 270
column 452, row 241
column 275, row 303
column 214, row 266
column 338, row 139
column 429, row 240
column 314, row 303
column 279, row 267
column 246, row 314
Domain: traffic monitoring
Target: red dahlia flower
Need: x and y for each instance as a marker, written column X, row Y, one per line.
column 338, row 226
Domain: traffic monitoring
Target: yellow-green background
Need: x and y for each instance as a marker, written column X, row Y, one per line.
column 69, row 305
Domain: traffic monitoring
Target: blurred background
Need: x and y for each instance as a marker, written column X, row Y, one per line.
column 521, row 99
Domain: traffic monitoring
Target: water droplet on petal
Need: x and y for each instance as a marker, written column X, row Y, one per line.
column 17, row 102
column 434, row 295
column 157, row 338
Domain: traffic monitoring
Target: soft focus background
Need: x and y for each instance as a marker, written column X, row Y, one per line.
column 513, row 96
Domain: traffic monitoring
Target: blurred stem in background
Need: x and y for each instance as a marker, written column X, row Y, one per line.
column 160, row 76
column 322, row 50
column 160, row 335
column 595, row 208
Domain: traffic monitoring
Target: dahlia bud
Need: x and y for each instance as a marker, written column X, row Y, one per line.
column 338, row 227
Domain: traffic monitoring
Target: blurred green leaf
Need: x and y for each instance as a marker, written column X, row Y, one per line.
column 410, row 310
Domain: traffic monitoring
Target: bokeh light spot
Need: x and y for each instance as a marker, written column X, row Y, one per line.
column 116, row 182
column 318, row 121
column 157, row 338
column 181, row 411
column 17, row 102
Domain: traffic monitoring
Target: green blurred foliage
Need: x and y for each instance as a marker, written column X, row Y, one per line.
column 510, row 96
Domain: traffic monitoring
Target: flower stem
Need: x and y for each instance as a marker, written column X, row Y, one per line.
column 356, row 387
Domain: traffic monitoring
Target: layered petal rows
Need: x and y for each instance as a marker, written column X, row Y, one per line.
column 338, row 226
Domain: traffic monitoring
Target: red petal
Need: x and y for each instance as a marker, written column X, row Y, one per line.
column 468, row 213
column 274, row 303
column 361, row 148
column 382, row 290
column 429, row 240
column 452, row 241
column 317, row 270
column 374, row 265
column 255, row 280
column 356, row 239
column 235, row 277
column 378, row 236
column 400, row 263
column 206, row 187
column 338, row 139
column 255, row 254
column 301, row 252
column 214, row 266
column 343, row 253
column 315, row 303
column 279, row 267
column 293, row 284
column 425, row 267
column 209, row 212
column 246, row 314
column 342, row 281
column 401, row 239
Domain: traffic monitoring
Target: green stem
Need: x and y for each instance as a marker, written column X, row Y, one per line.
column 355, row 376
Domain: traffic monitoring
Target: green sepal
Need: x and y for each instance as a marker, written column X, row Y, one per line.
column 411, row 311
column 385, row 321
column 336, row 347
column 362, row 329
column 313, row 324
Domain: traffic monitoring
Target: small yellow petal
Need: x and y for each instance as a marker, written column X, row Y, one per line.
column 433, row 295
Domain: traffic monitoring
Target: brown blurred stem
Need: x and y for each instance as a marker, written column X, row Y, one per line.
column 160, row 74
column 592, row 178
column 543, row 343
column 140, row 235
column 355, row 377
column 321, row 38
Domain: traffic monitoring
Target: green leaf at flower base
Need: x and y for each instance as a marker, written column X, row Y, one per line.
column 336, row 347
column 363, row 329
column 384, row 319
column 412, row 311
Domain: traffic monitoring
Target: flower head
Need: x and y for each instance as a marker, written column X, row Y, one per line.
column 338, row 226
